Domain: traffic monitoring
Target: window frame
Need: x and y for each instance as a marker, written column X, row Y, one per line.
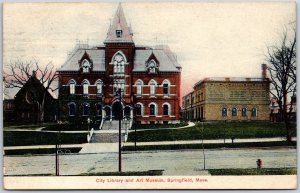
column 254, row 112
column 72, row 104
column 84, row 106
column 244, row 112
column 234, row 112
column 224, row 112
column 152, row 113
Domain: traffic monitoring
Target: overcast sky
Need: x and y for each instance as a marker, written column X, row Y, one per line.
column 209, row 39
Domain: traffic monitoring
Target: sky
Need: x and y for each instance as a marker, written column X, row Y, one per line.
column 209, row 39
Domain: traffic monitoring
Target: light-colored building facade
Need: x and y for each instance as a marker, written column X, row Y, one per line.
column 228, row 99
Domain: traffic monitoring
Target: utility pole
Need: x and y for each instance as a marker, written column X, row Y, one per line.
column 119, row 93
column 203, row 147
column 57, row 147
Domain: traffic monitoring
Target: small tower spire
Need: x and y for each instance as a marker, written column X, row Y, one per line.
column 119, row 31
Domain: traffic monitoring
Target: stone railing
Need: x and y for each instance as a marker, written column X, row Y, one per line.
column 90, row 135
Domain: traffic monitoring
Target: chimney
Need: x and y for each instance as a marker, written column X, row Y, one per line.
column 264, row 68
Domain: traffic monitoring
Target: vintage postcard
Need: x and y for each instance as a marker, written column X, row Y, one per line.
column 169, row 95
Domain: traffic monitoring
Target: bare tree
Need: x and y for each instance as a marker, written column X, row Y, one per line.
column 17, row 73
column 282, row 69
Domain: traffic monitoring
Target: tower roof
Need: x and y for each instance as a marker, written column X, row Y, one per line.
column 119, row 31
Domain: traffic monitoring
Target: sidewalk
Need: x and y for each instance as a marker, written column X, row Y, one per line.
column 209, row 141
column 113, row 147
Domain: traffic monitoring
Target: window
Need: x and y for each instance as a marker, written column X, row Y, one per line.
column 119, row 63
column 86, row 66
column 253, row 112
column 152, row 109
column 224, row 112
column 85, row 87
column 99, row 85
column 72, row 109
column 152, row 87
column 234, row 112
column 166, row 87
column 119, row 84
column 139, row 89
column 152, row 67
column 72, row 84
column 244, row 112
column 139, row 84
column 99, row 109
column 86, row 109
column 119, row 33
column 166, row 109
column 138, row 110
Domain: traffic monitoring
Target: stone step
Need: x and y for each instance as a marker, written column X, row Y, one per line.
column 107, row 138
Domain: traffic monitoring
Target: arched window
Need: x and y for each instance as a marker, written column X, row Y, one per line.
column 99, row 109
column 99, row 85
column 244, row 112
column 86, row 66
column 119, row 62
column 152, row 109
column 139, row 88
column 152, row 84
column 254, row 112
column 224, row 112
column 85, row 84
column 166, row 87
column 165, row 109
column 234, row 112
column 139, row 109
column 72, row 109
column 72, row 84
column 86, row 109
column 152, row 67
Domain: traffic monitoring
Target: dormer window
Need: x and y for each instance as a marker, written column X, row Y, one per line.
column 86, row 66
column 152, row 67
column 119, row 33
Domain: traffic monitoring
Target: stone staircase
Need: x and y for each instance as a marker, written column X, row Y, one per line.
column 109, row 132
column 107, row 138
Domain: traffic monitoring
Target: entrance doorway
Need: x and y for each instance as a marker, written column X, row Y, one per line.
column 117, row 110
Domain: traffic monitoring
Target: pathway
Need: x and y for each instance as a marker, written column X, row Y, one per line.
column 190, row 124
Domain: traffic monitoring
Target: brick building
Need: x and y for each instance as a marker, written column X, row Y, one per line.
column 148, row 77
column 228, row 99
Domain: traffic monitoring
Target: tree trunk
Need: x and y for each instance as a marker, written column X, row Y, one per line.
column 288, row 129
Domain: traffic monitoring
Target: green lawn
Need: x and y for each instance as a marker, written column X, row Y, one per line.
column 254, row 171
column 19, row 138
column 158, row 126
column 217, row 130
column 207, row 146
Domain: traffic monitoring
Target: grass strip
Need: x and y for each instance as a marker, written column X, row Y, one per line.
column 24, row 138
column 215, row 130
column 208, row 146
column 40, row 151
column 133, row 173
column 253, row 171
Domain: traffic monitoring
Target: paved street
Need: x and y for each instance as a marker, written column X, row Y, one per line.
column 185, row 162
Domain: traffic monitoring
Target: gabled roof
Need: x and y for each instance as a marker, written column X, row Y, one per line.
column 119, row 23
column 95, row 54
column 167, row 60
